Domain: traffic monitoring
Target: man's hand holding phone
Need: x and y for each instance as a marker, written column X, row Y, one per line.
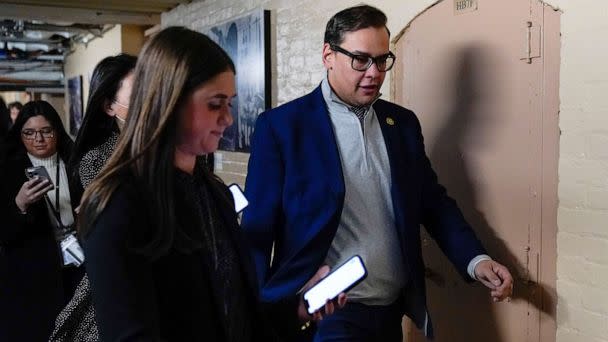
column 326, row 290
column 32, row 191
column 330, row 305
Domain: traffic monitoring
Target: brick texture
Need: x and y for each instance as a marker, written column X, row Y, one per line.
column 582, row 262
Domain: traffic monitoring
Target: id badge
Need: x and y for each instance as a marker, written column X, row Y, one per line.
column 71, row 251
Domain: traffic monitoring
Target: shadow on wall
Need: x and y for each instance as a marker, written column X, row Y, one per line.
column 457, row 307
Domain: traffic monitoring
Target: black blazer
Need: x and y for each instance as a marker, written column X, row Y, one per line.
column 169, row 299
column 31, row 288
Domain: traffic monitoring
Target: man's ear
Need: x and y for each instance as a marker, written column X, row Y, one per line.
column 107, row 107
column 328, row 56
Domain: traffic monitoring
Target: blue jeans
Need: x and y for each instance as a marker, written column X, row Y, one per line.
column 358, row 323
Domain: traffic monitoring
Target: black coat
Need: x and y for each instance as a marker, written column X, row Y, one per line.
column 170, row 298
column 31, row 286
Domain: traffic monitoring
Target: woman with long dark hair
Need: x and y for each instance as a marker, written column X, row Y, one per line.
column 37, row 279
column 107, row 110
column 164, row 253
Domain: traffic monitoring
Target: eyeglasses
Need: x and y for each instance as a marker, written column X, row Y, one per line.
column 364, row 62
column 31, row 134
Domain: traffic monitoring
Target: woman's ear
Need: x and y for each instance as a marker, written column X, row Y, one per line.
column 107, row 107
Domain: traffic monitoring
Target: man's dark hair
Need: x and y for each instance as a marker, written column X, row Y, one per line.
column 353, row 19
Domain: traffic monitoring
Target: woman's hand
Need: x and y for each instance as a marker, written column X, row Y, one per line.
column 32, row 191
column 330, row 306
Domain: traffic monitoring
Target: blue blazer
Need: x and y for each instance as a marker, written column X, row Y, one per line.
column 295, row 187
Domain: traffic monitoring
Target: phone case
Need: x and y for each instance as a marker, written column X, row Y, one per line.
column 39, row 171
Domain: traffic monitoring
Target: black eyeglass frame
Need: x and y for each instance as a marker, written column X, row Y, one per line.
column 370, row 60
column 34, row 133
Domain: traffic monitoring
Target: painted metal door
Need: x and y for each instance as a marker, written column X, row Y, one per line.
column 482, row 77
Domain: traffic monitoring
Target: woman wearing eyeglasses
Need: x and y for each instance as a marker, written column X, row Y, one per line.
column 36, row 278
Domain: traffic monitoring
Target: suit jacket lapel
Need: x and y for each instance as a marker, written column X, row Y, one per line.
column 390, row 131
column 398, row 159
column 328, row 151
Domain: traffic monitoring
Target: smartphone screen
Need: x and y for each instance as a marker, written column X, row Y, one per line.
column 340, row 280
column 240, row 202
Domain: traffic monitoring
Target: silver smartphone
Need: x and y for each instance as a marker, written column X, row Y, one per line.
column 39, row 171
column 341, row 279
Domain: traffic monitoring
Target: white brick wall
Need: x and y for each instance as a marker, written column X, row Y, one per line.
column 582, row 287
column 582, row 242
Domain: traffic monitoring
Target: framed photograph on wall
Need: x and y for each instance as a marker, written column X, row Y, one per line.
column 75, row 103
column 247, row 40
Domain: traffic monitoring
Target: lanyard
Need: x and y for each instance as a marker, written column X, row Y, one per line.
column 56, row 211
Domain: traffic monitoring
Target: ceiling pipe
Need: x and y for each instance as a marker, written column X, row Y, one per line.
column 12, row 28
column 74, row 28
column 56, row 42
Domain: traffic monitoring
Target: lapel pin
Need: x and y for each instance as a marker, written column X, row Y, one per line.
column 390, row 121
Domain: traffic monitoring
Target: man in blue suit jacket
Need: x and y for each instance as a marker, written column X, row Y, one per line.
column 340, row 172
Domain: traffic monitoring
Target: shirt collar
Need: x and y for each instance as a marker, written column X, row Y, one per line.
column 331, row 98
column 48, row 160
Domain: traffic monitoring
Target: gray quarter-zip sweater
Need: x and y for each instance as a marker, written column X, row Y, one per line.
column 367, row 224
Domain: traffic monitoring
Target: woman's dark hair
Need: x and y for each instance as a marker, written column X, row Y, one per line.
column 97, row 125
column 14, row 144
column 353, row 19
column 5, row 119
column 15, row 104
column 170, row 67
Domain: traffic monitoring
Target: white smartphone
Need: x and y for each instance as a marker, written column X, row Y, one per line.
column 240, row 202
column 341, row 279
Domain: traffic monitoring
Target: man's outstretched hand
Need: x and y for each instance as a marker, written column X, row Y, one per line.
column 497, row 278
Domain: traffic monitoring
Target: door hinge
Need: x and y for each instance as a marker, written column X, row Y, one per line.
column 533, row 41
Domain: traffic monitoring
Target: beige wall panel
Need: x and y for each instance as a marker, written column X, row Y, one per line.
column 132, row 39
column 85, row 57
column 483, row 113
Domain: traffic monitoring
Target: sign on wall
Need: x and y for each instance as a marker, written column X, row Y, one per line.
column 247, row 40
column 464, row 6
